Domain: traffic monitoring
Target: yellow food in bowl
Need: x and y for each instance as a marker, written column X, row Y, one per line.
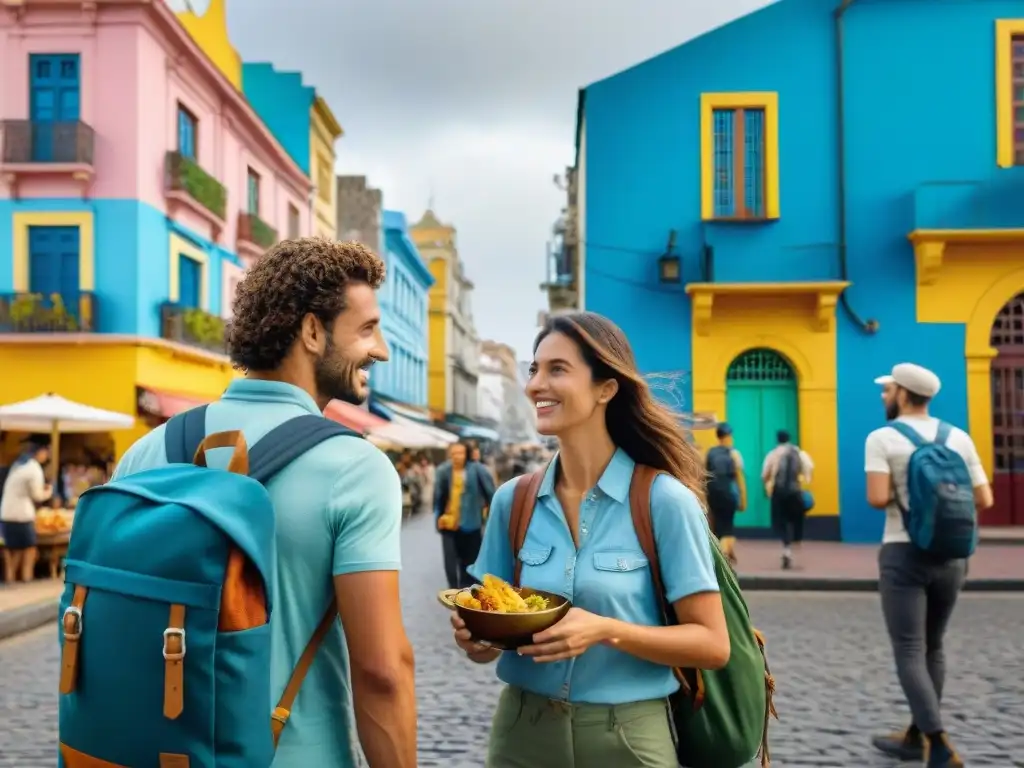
column 497, row 596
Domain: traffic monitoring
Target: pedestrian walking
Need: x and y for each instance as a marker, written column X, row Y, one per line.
column 927, row 476
column 463, row 490
column 726, row 489
column 786, row 473
column 306, row 330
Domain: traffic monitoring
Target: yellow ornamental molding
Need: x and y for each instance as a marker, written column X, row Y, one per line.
column 210, row 32
column 826, row 296
column 930, row 246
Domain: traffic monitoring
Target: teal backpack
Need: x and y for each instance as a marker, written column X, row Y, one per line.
column 166, row 610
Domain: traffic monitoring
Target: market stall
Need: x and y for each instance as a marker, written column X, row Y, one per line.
column 55, row 415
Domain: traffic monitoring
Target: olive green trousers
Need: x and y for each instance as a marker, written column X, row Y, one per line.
column 531, row 731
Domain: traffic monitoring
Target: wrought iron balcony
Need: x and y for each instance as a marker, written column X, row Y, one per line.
column 185, row 175
column 194, row 327
column 26, row 312
column 31, row 142
column 253, row 229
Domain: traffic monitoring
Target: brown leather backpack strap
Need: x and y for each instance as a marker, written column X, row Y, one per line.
column 279, row 718
column 640, row 509
column 523, row 502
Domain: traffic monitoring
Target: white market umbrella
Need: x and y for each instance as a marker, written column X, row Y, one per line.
column 403, row 436
column 55, row 414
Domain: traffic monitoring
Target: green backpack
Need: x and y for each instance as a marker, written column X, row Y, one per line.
column 720, row 716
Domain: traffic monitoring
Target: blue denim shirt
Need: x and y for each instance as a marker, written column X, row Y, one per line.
column 609, row 575
column 477, row 492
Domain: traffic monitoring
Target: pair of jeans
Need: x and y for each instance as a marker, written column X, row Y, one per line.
column 460, row 549
column 918, row 595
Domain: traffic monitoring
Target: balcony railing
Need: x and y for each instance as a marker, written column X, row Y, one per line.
column 195, row 327
column 253, row 229
column 27, row 142
column 35, row 313
column 186, row 175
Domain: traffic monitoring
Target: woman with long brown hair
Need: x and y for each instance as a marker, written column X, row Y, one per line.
column 591, row 692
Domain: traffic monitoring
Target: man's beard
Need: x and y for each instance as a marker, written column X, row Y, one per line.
column 892, row 410
column 336, row 377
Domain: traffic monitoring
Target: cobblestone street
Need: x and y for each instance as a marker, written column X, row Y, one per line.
column 828, row 653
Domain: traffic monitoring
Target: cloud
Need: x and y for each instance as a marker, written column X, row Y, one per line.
column 471, row 102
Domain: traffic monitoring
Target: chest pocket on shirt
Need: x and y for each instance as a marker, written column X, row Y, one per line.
column 619, row 560
column 534, row 555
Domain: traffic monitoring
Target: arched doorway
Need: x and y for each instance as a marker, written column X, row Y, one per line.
column 760, row 399
column 1008, row 415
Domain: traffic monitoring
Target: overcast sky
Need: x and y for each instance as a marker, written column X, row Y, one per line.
column 471, row 103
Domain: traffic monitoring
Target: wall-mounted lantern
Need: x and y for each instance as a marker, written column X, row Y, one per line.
column 670, row 266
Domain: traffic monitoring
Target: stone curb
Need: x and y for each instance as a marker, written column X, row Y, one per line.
column 826, row 584
column 28, row 617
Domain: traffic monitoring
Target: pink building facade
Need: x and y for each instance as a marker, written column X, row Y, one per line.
column 136, row 182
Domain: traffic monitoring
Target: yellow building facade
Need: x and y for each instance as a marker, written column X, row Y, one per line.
column 324, row 132
column 114, row 373
column 436, row 244
column 210, row 31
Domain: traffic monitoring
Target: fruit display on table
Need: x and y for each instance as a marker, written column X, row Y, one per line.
column 53, row 521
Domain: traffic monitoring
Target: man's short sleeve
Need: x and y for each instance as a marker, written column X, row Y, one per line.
column 365, row 513
column 495, row 556
column 683, row 540
column 973, row 461
column 876, row 458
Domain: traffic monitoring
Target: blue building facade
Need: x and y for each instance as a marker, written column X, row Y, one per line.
column 284, row 102
column 404, row 305
column 790, row 204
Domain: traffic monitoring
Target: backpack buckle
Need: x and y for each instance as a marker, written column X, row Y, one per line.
column 72, row 623
column 176, row 634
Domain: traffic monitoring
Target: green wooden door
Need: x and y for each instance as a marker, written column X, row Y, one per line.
column 760, row 399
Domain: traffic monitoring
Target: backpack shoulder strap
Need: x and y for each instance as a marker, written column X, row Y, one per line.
column 640, row 510
column 183, row 435
column 908, row 432
column 283, row 710
column 942, row 435
column 289, row 440
column 523, row 502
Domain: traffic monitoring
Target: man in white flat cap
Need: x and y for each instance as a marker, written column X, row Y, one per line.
column 919, row 587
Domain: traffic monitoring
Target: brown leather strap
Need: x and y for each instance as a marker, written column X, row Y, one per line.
column 640, row 509
column 523, row 502
column 167, row 760
column 174, row 663
column 72, row 623
column 239, row 463
column 283, row 710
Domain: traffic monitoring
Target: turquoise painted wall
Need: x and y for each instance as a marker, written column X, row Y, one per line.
column 132, row 264
column 283, row 102
column 404, row 305
column 920, row 125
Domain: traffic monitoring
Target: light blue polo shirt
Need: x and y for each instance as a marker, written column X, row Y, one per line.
column 338, row 510
column 609, row 575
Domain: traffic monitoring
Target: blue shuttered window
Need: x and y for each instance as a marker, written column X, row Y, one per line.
column 739, row 163
column 54, row 96
column 253, row 182
column 187, row 125
column 190, row 281
column 54, row 265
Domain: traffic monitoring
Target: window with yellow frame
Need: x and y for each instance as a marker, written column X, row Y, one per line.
column 739, row 156
column 1010, row 92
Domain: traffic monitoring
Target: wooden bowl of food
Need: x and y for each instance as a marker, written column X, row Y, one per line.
column 503, row 616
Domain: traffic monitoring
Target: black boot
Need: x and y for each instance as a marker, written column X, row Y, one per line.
column 906, row 745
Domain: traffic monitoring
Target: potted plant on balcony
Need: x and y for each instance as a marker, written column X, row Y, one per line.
column 203, row 329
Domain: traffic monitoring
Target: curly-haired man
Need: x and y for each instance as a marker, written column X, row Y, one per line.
column 306, row 330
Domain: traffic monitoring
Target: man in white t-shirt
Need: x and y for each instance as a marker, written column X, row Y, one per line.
column 24, row 489
column 918, row 591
